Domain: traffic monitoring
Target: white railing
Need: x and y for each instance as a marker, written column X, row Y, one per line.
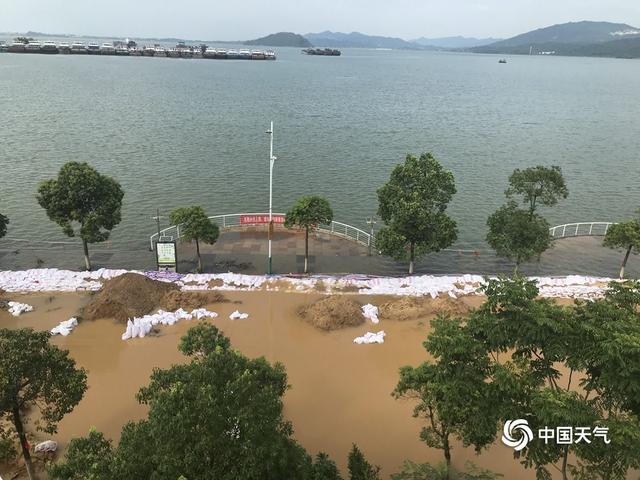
column 581, row 229
column 233, row 221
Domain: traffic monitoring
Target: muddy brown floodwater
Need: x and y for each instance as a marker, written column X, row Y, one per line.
column 340, row 392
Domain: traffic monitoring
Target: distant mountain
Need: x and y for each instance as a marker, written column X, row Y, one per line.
column 282, row 39
column 358, row 40
column 454, row 42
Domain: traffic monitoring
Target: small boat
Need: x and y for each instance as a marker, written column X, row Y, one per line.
column 4, row 47
column 209, row 53
column 244, row 54
column 122, row 50
column 135, row 52
column 173, row 53
column 257, row 55
column 270, row 55
column 159, row 51
column 221, row 54
column 107, row 49
column 16, row 47
column 78, row 48
column 32, row 47
column 64, row 47
column 233, row 54
column 186, row 53
column 93, row 49
column 49, row 47
column 502, row 60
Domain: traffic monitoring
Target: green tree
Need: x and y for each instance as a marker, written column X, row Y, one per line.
column 84, row 197
column 413, row 206
column 359, row 468
column 324, row 468
column 452, row 391
column 195, row 226
column 34, row 373
column 307, row 213
column 4, row 221
column 624, row 235
column 86, row 458
column 516, row 234
column 544, row 185
column 424, row 471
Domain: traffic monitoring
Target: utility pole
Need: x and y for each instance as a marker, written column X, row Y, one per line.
column 157, row 219
column 371, row 221
column 272, row 160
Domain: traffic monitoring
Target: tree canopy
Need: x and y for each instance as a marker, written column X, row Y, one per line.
column 34, row 373
column 624, row 235
column 413, row 206
column 516, row 234
column 195, row 226
column 538, row 185
column 307, row 213
column 83, row 202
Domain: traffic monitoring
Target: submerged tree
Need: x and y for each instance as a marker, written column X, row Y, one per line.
column 308, row 213
column 195, row 226
column 538, row 185
column 81, row 196
column 517, row 235
column 413, row 206
column 34, row 373
column 624, row 235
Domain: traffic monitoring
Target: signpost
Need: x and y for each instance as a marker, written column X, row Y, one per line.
column 272, row 160
column 166, row 256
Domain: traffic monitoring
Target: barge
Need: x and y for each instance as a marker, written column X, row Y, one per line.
column 322, row 52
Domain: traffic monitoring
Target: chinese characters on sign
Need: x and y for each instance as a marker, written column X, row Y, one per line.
column 260, row 219
column 166, row 256
column 517, row 434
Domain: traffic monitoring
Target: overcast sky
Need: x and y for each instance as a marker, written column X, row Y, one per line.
column 245, row 19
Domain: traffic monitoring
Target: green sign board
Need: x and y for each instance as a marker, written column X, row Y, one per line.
column 166, row 255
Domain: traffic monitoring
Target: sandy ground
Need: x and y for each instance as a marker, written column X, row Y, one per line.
column 340, row 392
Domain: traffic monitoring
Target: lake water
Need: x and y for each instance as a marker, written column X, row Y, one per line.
column 176, row 132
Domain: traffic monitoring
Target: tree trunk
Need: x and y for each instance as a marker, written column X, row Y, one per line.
column 565, row 458
column 85, row 247
column 199, row 257
column 17, row 422
column 412, row 256
column 447, row 454
column 515, row 269
column 624, row 262
column 306, row 250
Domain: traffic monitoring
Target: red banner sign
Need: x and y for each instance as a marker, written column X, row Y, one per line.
column 260, row 219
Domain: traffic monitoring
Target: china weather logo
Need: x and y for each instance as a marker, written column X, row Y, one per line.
column 517, row 434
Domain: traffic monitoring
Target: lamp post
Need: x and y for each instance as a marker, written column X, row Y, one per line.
column 272, row 160
column 371, row 221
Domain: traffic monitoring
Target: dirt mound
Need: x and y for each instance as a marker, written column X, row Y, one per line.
column 416, row 308
column 332, row 313
column 176, row 299
column 127, row 296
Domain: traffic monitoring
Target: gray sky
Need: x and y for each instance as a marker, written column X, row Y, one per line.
column 245, row 19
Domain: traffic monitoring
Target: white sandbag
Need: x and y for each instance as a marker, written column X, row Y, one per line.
column 140, row 327
column 369, row 338
column 65, row 328
column 16, row 308
column 48, row 446
column 238, row 316
column 370, row 312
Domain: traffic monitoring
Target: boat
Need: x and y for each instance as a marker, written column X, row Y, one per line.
column 186, row 53
column 64, row 47
column 233, row 54
column 209, row 53
column 270, row 55
column 107, row 49
column 16, row 47
column 159, row 51
column 244, row 54
column 93, row 49
column 135, row 52
column 323, row 52
column 149, row 51
column 78, row 48
column 173, row 53
column 32, row 47
column 49, row 47
column 221, row 54
column 502, row 60
column 122, row 50
column 257, row 55
column 4, row 47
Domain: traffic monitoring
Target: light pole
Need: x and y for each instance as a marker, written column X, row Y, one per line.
column 371, row 221
column 272, row 160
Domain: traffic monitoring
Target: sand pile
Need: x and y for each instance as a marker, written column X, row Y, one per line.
column 175, row 299
column 416, row 308
column 127, row 296
column 332, row 313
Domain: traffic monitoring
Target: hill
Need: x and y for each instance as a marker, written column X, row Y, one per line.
column 281, row 39
column 358, row 40
column 454, row 42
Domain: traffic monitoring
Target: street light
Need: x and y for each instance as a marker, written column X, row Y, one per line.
column 272, row 160
column 371, row 221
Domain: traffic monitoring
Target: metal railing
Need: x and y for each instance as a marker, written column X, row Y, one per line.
column 232, row 220
column 580, row 229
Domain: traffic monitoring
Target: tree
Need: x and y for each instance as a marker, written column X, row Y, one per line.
column 307, row 213
column 35, row 373
column 539, row 184
column 624, row 235
column 359, row 468
column 516, row 234
column 86, row 458
column 324, row 468
column 452, row 391
column 195, row 225
column 4, row 221
column 81, row 195
column 424, row 471
column 413, row 206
